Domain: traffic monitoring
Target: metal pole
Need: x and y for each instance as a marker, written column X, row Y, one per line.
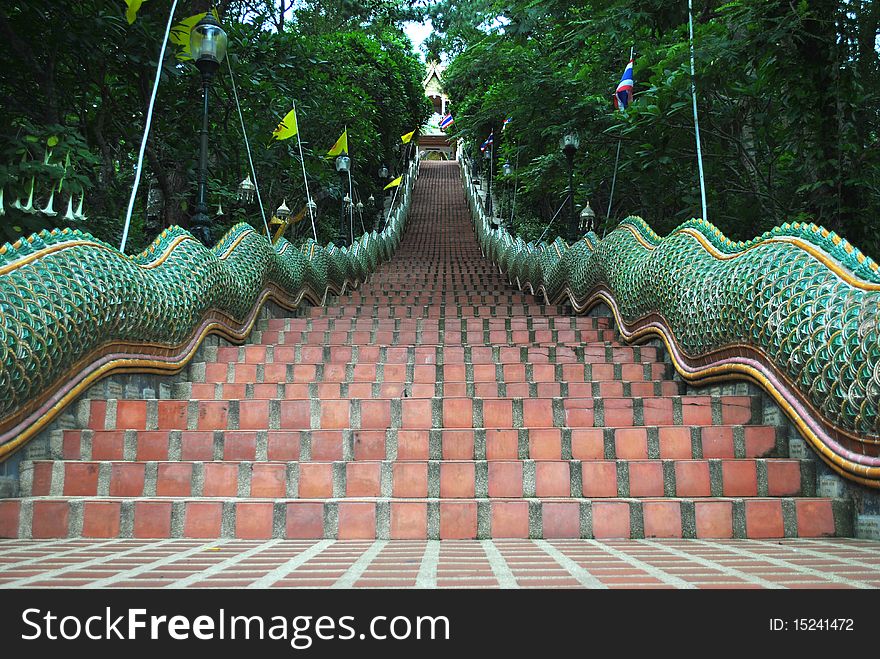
column 199, row 223
column 616, row 162
column 489, row 211
column 572, row 221
column 696, row 120
column 340, row 237
column 305, row 178
column 350, row 207
column 613, row 183
column 515, row 188
column 247, row 147
column 148, row 123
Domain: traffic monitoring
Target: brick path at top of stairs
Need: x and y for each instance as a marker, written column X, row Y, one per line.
column 435, row 402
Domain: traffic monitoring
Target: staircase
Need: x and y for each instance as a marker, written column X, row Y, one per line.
column 434, row 402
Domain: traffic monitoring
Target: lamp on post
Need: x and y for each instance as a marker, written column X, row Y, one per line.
column 487, row 154
column 343, row 166
column 371, row 212
column 570, row 144
column 507, row 168
column 208, row 48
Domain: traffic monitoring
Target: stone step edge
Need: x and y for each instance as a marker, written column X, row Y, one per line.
column 599, row 410
column 380, row 390
column 435, row 439
column 532, row 476
column 288, row 518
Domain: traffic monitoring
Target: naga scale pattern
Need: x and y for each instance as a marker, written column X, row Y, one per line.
column 74, row 309
column 795, row 310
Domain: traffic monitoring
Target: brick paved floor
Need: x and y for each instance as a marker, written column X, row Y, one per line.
column 795, row 563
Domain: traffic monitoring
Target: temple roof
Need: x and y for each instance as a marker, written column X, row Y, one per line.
column 435, row 70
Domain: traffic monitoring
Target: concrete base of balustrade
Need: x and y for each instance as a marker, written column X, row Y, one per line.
column 131, row 386
column 865, row 501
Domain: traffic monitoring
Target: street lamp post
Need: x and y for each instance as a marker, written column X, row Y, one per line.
column 507, row 168
column 208, row 47
column 488, row 155
column 343, row 166
column 384, row 175
column 570, row 144
column 346, row 204
column 371, row 213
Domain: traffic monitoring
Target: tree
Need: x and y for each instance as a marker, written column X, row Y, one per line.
column 788, row 97
column 83, row 102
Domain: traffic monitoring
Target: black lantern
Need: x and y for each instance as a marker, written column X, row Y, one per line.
column 570, row 144
column 208, row 47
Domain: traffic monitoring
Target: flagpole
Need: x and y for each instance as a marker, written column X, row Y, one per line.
column 694, row 98
column 393, row 199
column 305, row 178
column 350, row 193
column 360, row 215
column 147, row 124
column 616, row 163
column 247, row 147
column 613, row 183
column 491, row 209
column 350, row 207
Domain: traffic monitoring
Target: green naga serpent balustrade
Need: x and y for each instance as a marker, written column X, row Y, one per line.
column 795, row 311
column 74, row 309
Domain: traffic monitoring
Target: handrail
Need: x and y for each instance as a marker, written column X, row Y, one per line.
column 73, row 309
column 796, row 311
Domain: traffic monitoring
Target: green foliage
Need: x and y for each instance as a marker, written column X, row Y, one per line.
column 344, row 63
column 788, row 96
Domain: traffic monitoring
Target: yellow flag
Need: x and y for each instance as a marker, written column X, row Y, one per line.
column 133, row 8
column 406, row 138
column 287, row 127
column 180, row 33
column 341, row 145
column 394, row 183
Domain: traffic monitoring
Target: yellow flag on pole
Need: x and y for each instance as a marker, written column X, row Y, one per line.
column 133, row 8
column 341, row 145
column 287, row 127
column 394, row 183
column 406, row 138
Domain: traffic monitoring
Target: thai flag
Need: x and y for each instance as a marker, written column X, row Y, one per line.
column 506, row 121
column 446, row 121
column 624, row 93
column 489, row 142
